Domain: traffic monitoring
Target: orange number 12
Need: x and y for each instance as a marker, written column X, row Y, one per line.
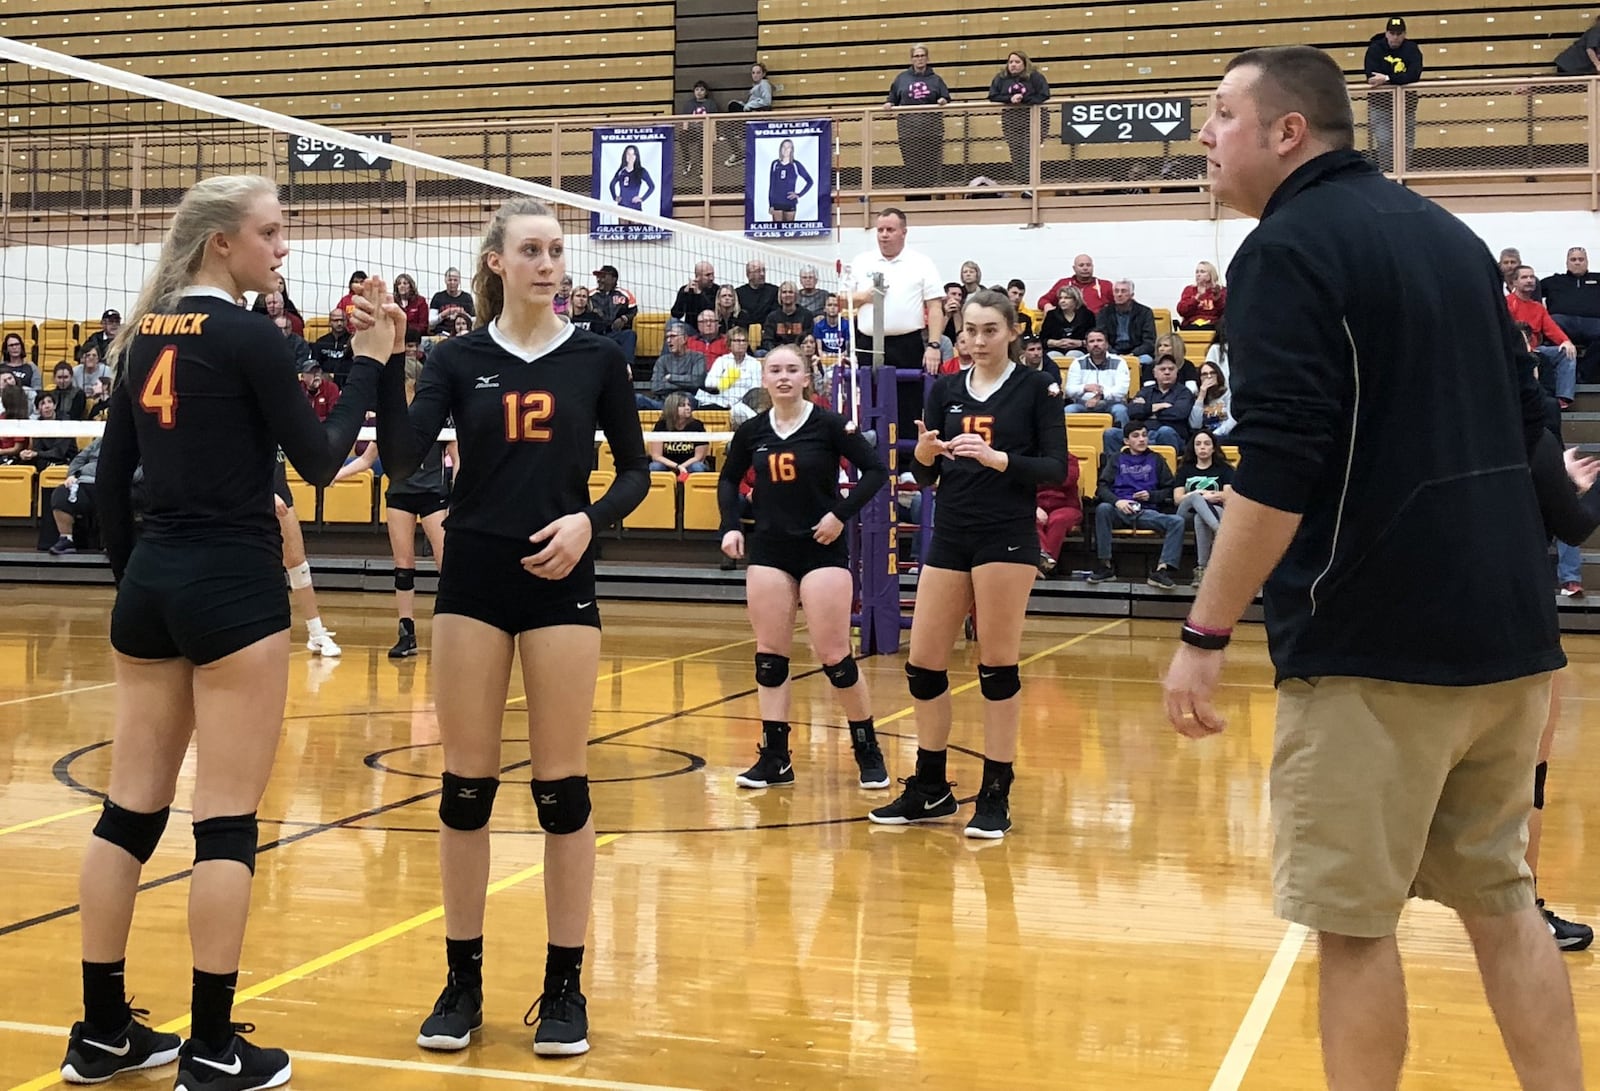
column 160, row 394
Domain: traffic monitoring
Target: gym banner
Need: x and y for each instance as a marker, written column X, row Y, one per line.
column 788, row 179
column 633, row 168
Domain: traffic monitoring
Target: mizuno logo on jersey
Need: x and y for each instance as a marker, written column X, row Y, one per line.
column 488, row 382
column 958, row 407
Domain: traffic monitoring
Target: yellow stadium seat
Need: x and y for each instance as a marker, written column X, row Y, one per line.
column 715, row 420
column 303, row 493
column 61, row 329
column 1089, row 422
column 659, row 511
column 16, row 492
column 1170, row 454
column 1163, row 319
column 1135, row 380
column 1088, row 468
column 700, row 503
column 603, row 458
column 599, row 482
column 49, row 478
column 316, row 326
column 348, row 501
column 1195, row 344
column 1230, row 453
column 651, row 330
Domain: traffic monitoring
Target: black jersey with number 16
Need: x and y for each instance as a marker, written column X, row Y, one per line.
column 797, row 475
column 525, row 423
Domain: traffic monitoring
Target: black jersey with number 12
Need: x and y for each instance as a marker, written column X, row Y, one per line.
column 797, row 475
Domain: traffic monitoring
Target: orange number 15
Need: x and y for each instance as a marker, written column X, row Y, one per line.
column 160, row 394
column 983, row 425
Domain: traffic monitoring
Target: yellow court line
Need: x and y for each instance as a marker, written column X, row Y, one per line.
column 1034, row 658
column 322, row 962
column 653, row 664
column 33, row 823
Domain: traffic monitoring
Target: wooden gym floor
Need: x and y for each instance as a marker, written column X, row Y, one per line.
column 1120, row 937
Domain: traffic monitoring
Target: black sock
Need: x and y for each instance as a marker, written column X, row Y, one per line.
column 105, row 1002
column 861, row 733
column 211, row 1006
column 775, row 735
column 997, row 776
column 562, row 967
column 930, row 766
column 465, row 957
column 409, row 626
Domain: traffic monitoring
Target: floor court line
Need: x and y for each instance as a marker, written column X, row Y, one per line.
column 322, row 962
column 57, row 693
column 45, row 820
column 1243, row 1049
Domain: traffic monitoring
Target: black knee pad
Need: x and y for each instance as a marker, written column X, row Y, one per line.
column 229, row 837
column 999, row 683
column 467, row 802
column 405, row 579
column 844, row 673
column 925, row 684
column 134, row 833
column 772, row 671
column 1539, row 772
column 563, row 805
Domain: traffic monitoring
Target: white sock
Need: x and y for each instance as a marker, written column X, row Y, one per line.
column 315, row 629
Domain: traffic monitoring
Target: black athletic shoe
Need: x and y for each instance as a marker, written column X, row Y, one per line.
column 874, row 773
column 1569, row 935
column 95, row 1058
column 562, row 1022
column 456, row 1014
column 241, row 1066
column 404, row 647
column 918, row 803
column 773, row 769
column 1161, row 579
column 992, row 818
column 1100, row 573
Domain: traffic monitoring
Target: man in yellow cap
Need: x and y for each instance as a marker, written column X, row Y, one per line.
column 1393, row 60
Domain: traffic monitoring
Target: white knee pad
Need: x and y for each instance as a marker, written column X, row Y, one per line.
column 300, row 576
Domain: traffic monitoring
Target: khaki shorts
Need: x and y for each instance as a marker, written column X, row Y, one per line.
column 1383, row 791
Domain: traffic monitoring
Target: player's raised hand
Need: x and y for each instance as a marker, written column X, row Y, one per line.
column 374, row 335
column 929, row 445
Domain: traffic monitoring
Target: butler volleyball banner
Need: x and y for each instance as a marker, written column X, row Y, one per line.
column 788, row 179
column 633, row 168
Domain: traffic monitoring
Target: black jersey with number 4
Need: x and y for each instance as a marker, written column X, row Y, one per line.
column 206, row 396
column 1020, row 417
column 525, row 427
column 797, row 476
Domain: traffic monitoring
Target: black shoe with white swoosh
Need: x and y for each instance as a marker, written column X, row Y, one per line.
column 240, row 1066
column 918, row 803
column 773, row 769
column 94, row 1058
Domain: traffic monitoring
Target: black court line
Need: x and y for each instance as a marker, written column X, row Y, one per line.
column 64, row 776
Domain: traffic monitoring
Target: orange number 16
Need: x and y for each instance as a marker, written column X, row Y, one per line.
column 160, row 395
column 781, row 466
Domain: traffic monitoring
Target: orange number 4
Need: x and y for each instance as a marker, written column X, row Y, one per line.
column 160, row 393
column 526, row 414
column 781, row 466
column 984, row 426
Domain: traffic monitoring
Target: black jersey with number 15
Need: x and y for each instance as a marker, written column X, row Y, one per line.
column 206, row 396
column 1020, row 417
column 526, row 428
column 797, row 475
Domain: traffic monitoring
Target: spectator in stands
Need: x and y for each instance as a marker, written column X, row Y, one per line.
column 729, row 314
column 1558, row 356
column 90, row 368
column 14, row 359
column 1129, row 326
column 450, row 302
column 1213, row 405
column 69, row 396
column 260, row 307
column 679, row 456
column 297, row 344
column 1218, row 352
column 696, row 104
column 1573, row 300
column 460, row 324
column 1059, row 512
column 332, row 349
column 732, row 377
column 1510, row 262
column 563, row 295
column 74, row 499
column 1135, row 484
column 788, row 322
column 347, row 301
column 1392, row 61
column 811, row 297
column 618, row 308
column 971, row 279
column 581, row 314
column 708, row 339
column 1170, row 344
column 1093, row 292
column 1582, row 57
column 951, row 306
column 1020, row 86
column 678, row 369
column 759, row 98
column 757, row 298
column 273, row 302
column 1033, row 357
column 700, row 294
column 96, row 398
column 1018, row 292
column 13, row 406
column 41, row 452
column 811, row 356
column 404, row 290
column 1204, row 482
column 1200, row 306
column 1097, row 381
column 1066, row 325
column 110, row 323
column 321, row 391
column 831, row 328
column 921, row 132
column 960, row 356
column 1165, row 403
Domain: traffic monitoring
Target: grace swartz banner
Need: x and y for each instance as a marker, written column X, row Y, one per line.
column 632, row 168
column 788, row 179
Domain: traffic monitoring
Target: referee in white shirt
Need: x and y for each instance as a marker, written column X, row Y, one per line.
column 912, row 311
